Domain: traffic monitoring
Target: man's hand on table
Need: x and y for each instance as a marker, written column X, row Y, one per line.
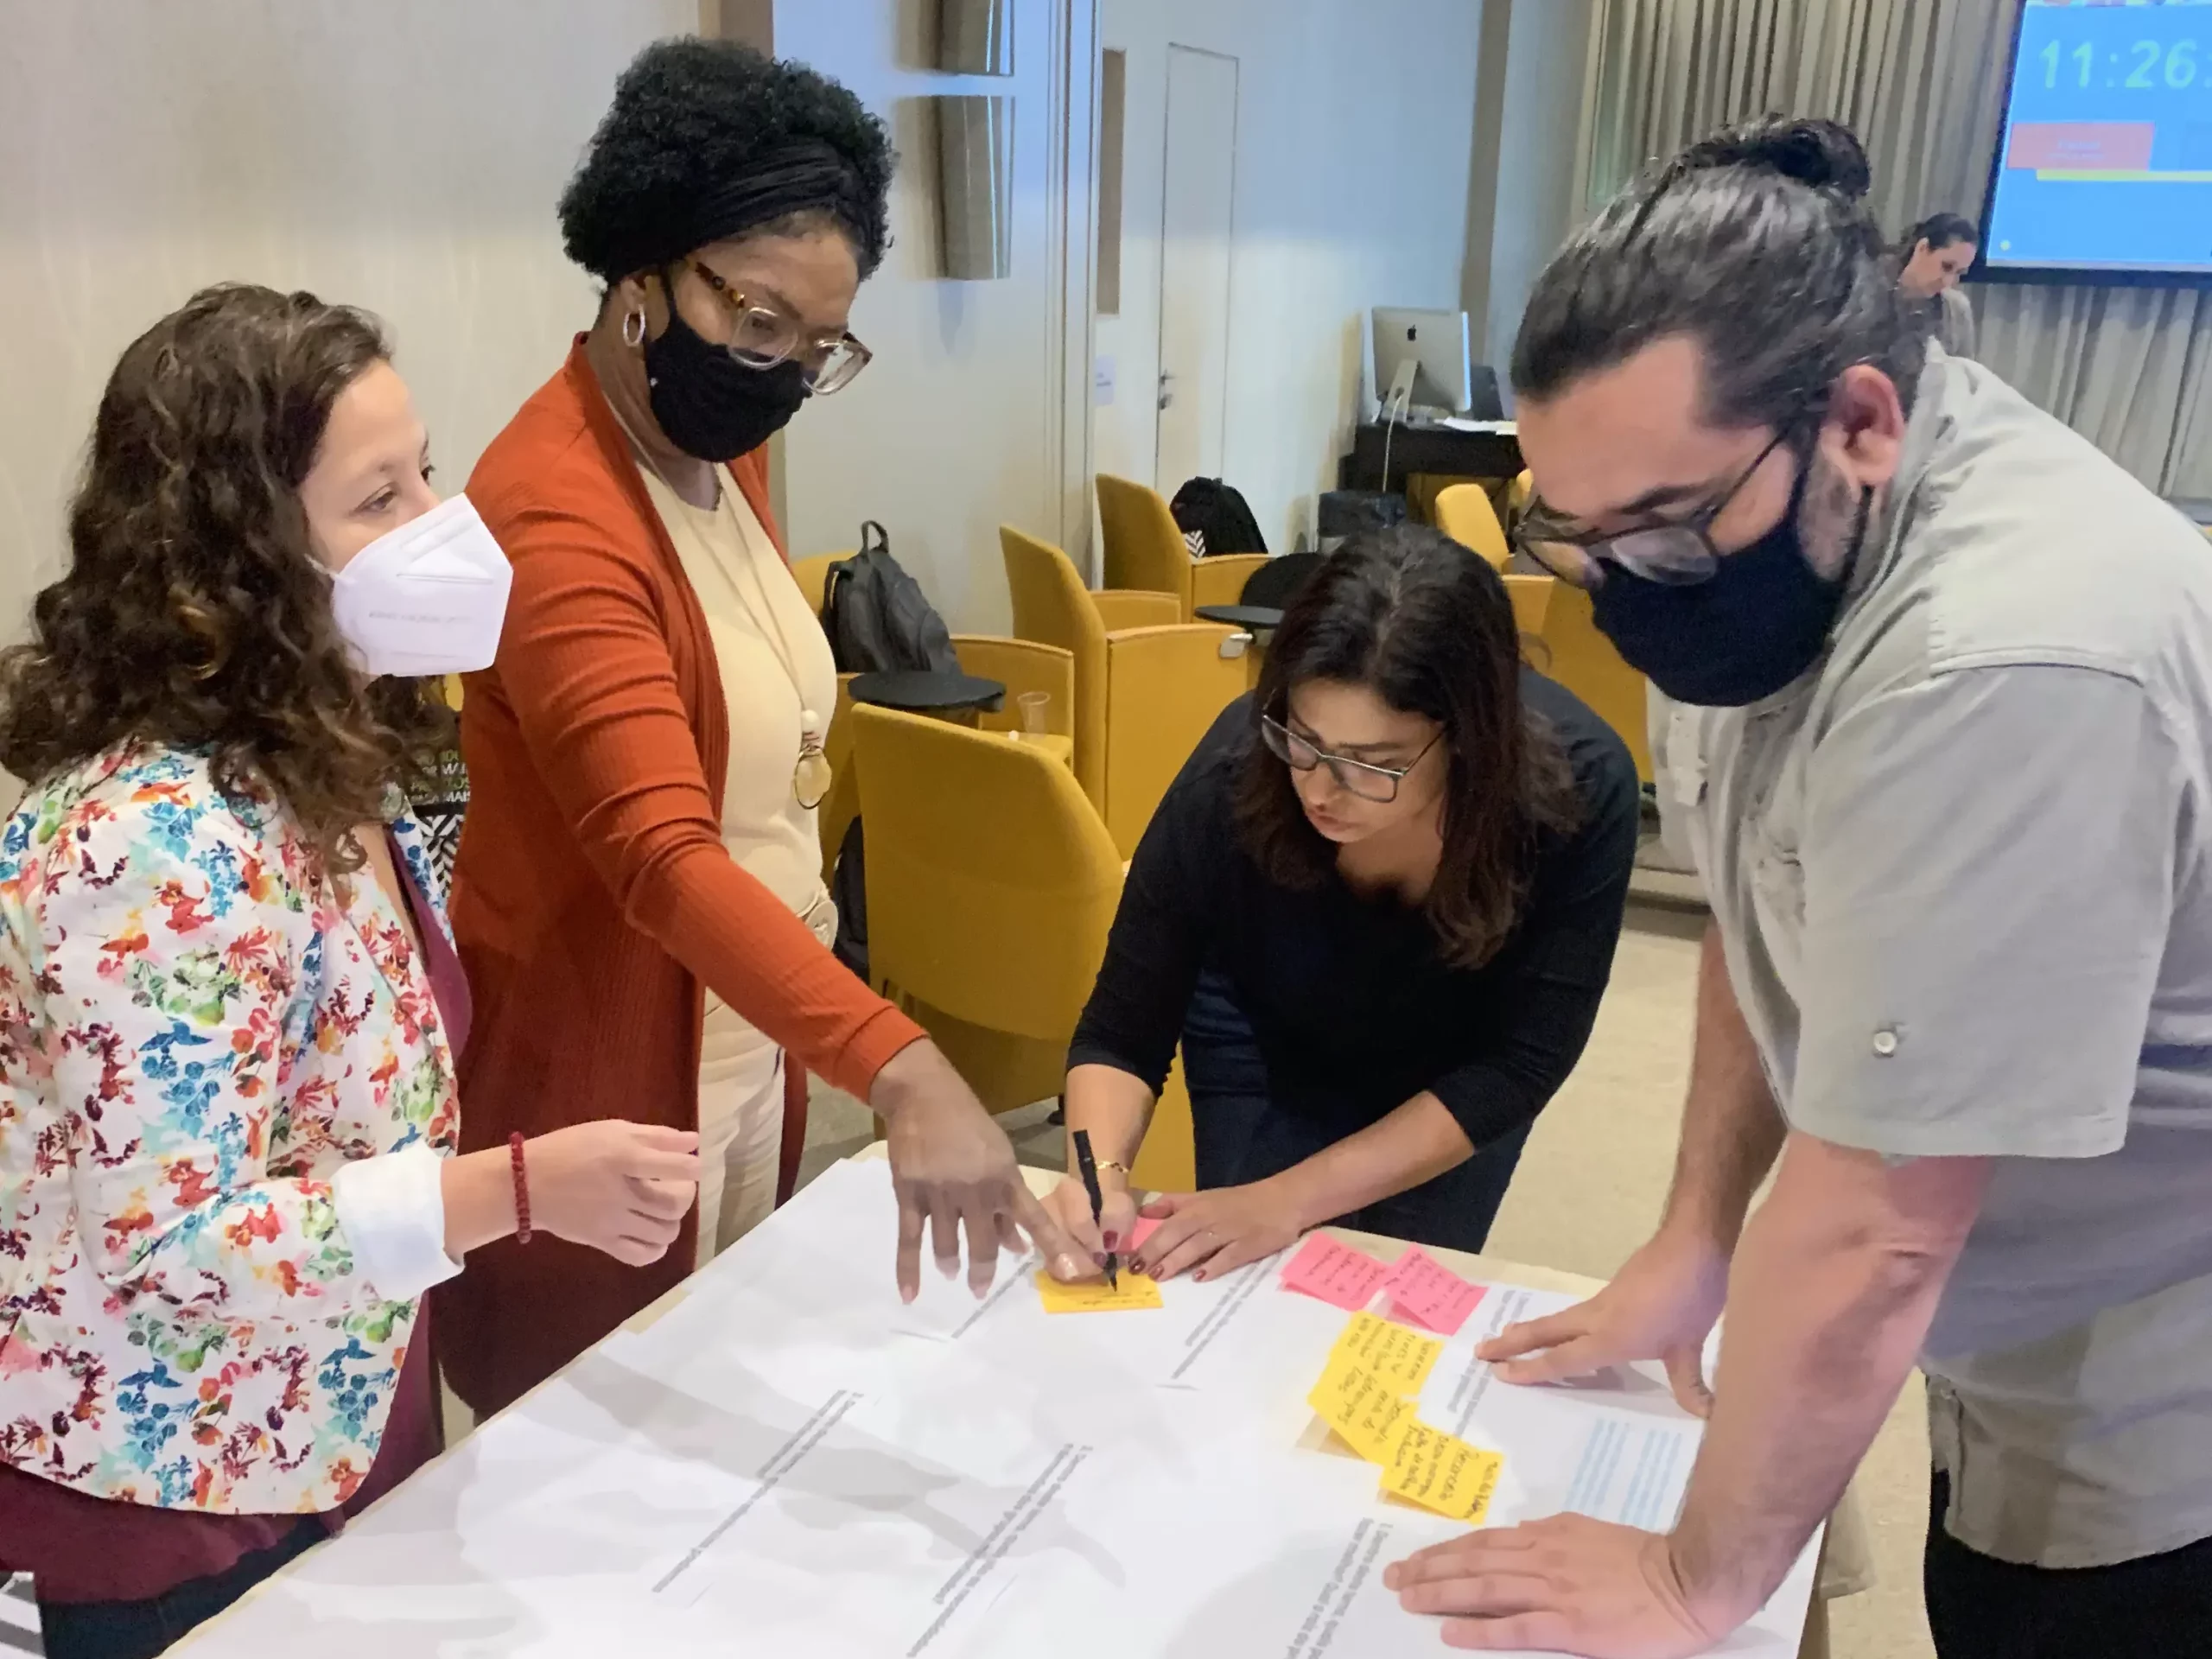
column 1567, row 1584
column 952, row 1167
column 1661, row 1305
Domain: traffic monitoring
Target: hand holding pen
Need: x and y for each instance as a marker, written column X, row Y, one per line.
column 1096, row 1232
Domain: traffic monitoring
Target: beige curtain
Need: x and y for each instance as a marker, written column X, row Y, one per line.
column 1921, row 81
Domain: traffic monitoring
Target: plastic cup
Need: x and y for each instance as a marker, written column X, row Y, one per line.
column 1035, row 706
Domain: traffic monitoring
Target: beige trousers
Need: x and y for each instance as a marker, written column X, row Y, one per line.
column 742, row 1115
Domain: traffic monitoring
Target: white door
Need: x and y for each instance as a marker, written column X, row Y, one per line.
column 1194, row 255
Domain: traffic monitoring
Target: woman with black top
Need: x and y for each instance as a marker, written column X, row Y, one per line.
column 1399, row 870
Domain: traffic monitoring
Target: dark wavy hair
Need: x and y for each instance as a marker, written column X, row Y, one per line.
column 1425, row 625
column 709, row 138
column 195, row 613
column 1940, row 231
column 1757, row 243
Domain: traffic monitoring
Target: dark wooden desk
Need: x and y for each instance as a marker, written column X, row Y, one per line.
column 1427, row 449
column 924, row 693
column 1256, row 619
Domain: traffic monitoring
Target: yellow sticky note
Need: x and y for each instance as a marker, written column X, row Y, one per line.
column 1096, row 1296
column 1365, row 1411
column 1442, row 1472
column 1399, row 1356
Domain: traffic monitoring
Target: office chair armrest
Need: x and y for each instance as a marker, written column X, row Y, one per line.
column 1134, row 608
column 1220, row 578
column 1164, row 688
column 1021, row 665
column 1531, row 598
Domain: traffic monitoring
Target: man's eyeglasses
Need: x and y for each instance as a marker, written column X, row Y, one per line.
column 761, row 338
column 1370, row 783
column 1677, row 555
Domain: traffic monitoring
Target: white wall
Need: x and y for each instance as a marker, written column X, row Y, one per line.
column 1546, row 57
column 405, row 156
column 958, row 423
column 1354, row 128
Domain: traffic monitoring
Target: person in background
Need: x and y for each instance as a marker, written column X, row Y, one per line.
column 1949, row 781
column 228, row 1007
column 1934, row 258
column 1406, row 856
column 639, row 895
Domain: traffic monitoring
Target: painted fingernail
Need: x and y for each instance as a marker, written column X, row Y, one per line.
column 1111, row 1239
column 1136, row 1266
column 1200, row 1273
column 1099, row 1257
column 1065, row 1267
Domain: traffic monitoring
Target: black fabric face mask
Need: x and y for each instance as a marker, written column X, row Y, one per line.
column 709, row 404
column 1760, row 622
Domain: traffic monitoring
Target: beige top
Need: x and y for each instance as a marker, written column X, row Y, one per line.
column 757, row 618
column 1963, row 874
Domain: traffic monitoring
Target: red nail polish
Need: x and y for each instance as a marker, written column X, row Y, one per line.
column 1109, row 1241
column 1200, row 1273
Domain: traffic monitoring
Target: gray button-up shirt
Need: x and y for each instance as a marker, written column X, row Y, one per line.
column 1961, row 874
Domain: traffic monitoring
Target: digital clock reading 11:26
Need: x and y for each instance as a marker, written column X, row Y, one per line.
column 2145, row 65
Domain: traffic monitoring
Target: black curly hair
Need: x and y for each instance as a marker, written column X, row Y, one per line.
column 1755, row 243
column 707, row 139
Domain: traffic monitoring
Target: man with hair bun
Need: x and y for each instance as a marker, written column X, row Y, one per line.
column 1945, row 745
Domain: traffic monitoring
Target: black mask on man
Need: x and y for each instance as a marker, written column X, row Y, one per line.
column 1761, row 621
column 711, row 405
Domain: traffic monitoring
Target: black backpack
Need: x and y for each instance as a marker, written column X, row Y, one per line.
column 877, row 617
column 1215, row 519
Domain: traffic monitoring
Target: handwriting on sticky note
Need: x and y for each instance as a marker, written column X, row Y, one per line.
column 1430, row 1294
column 1442, row 1472
column 1365, row 1411
column 1096, row 1296
column 1401, row 1357
column 1333, row 1272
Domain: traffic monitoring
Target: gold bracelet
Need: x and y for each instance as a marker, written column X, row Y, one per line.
column 1113, row 1163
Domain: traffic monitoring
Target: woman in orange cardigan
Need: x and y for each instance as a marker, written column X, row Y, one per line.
column 638, row 899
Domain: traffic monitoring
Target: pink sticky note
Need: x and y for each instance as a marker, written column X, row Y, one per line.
column 1334, row 1272
column 1428, row 1293
column 1145, row 1228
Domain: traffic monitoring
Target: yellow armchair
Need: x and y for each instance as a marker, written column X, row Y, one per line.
column 991, row 886
column 1585, row 662
column 1168, row 1159
column 1145, row 551
column 1143, row 696
column 1531, row 598
column 1129, row 608
column 1464, row 512
column 813, row 577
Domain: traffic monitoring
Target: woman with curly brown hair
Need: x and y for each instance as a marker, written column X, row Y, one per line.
column 1395, row 877
column 229, row 1009
column 639, row 896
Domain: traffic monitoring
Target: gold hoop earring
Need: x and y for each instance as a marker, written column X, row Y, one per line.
column 634, row 328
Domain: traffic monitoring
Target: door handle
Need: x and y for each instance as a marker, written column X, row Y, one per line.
column 1166, row 397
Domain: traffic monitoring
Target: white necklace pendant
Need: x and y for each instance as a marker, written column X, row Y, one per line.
column 812, row 776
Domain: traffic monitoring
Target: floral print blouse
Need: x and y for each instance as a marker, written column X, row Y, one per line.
column 197, row 1030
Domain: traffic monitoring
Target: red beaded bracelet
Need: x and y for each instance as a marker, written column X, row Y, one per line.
column 522, row 1189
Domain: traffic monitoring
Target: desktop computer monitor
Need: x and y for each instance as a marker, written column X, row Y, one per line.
column 1423, row 365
